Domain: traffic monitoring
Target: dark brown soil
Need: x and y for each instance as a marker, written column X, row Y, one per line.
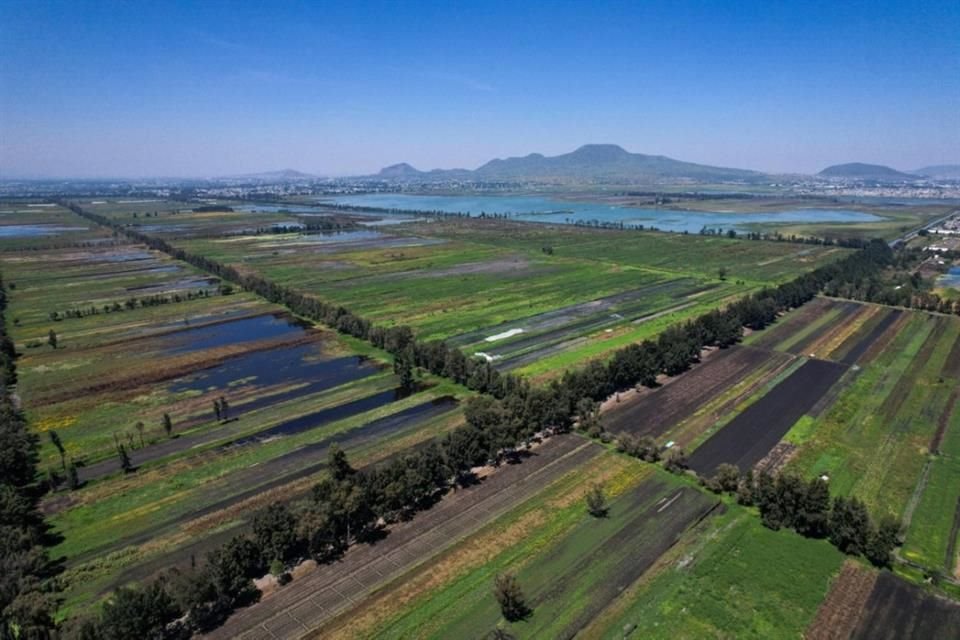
column 855, row 346
column 654, row 413
column 840, row 612
column 897, row 609
column 847, row 311
column 793, row 322
column 880, row 344
column 751, row 435
column 951, row 368
column 943, row 421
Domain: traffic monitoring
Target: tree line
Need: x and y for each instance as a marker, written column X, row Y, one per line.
column 28, row 593
column 806, row 507
column 351, row 506
column 134, row 302
column 900, row 285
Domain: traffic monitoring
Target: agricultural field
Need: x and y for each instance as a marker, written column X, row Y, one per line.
column 865, row 604
column 140, row 336
column 861, row 394
column 29, row 225
column 182, row 405
column 888, row 432
column 531, row 298
column 460, row 533
column 736, row 574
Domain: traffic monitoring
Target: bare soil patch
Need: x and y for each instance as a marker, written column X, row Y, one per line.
column 654, row 412
column 943, row 421
column 846, row 311
column 897, row 609
column 777, row 459
column 840, row 613
column 951, row 368
column 860, row 345
column 751, row 435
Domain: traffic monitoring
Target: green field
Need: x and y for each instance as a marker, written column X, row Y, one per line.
column 140, row 334
column 453, row 279
column 124, row 324
column 874, row 441
column 739, row 579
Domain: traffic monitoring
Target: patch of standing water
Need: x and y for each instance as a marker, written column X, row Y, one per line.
column 337, row 237
column 126, row 256
column 281, row 366
column 543, row 209
column 950, row 279
column 233, row 332
column 35, row 230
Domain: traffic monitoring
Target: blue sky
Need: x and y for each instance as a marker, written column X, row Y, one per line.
column 210, row 88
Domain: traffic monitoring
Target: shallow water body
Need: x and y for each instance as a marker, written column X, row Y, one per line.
column 950, row 279
column 544, row 209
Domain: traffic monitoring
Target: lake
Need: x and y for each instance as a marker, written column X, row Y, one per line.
column 545, row 209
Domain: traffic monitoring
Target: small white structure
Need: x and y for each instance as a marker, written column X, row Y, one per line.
column 503, row 336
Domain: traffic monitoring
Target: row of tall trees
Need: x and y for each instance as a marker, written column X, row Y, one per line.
column 134, row 302
column 671, row 353
column 352, row 505
column 28, row 593
column 900, row 285
column 347, row 507
column 787, row 501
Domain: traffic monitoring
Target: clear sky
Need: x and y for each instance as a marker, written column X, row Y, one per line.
column 208, row 88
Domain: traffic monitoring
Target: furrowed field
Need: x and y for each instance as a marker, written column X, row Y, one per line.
column 172, row 406
column 532, row 298
column 138, row 336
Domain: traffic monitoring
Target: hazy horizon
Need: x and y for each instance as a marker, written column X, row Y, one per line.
column 109, row 89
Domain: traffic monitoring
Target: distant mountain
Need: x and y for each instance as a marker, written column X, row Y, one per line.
column 606, row 162
column 861, row 171
column 281, row 175
column 943, row 171
column 402, row 170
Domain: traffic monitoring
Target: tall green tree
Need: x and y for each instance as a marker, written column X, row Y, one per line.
column 55, row 439
column 509, row 595
column 597, row 502
column 337, row 463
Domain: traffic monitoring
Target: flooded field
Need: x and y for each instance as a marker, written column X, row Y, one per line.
column 34, row 230
column 146, row 347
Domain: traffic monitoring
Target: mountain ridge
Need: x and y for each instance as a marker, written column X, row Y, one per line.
column 608, row 162
column 864, row 171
